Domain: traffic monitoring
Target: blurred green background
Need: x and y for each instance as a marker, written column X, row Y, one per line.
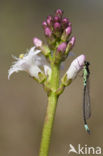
column 23, row 101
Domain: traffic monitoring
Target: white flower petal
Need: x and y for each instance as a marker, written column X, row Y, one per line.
column 32, row 50
column 14, row 68
column 72, row 72
column 47, row 70
column 28, row 63
column 34, row 71
column 75, row 67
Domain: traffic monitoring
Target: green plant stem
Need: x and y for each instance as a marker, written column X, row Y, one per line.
column 50, row 113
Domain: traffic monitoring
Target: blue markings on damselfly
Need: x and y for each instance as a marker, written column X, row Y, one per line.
column 87, row 128
column 86, row 97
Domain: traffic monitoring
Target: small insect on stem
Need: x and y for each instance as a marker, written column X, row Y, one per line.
column 86, row 97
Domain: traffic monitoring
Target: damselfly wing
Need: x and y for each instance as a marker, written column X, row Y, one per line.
column 86, row 96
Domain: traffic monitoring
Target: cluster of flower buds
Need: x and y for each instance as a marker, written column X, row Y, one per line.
column 57, row 30
column 54, row 26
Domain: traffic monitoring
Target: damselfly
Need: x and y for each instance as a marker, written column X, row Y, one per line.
column 86, row 97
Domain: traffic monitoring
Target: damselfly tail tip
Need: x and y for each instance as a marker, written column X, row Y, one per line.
column 89, row 131
column 87, row 128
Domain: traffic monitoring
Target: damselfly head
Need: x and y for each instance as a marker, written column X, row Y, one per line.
column 87, row 63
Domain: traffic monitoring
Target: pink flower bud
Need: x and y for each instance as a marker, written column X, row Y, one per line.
column 48, row 32
column 44, row 24
column 65, row 22
column 37, row 42
column 59, row 12
column 57, row 26
column 57, row 19
column 49, row 20
column 62, row 47
column 72, row 41
column 68, row 30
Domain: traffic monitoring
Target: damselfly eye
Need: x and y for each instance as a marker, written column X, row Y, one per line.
column 87, row 63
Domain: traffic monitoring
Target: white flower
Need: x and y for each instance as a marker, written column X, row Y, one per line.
column 31, row 63
column 75, row 67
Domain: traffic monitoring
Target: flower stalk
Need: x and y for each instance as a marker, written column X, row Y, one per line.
column 50, row 113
